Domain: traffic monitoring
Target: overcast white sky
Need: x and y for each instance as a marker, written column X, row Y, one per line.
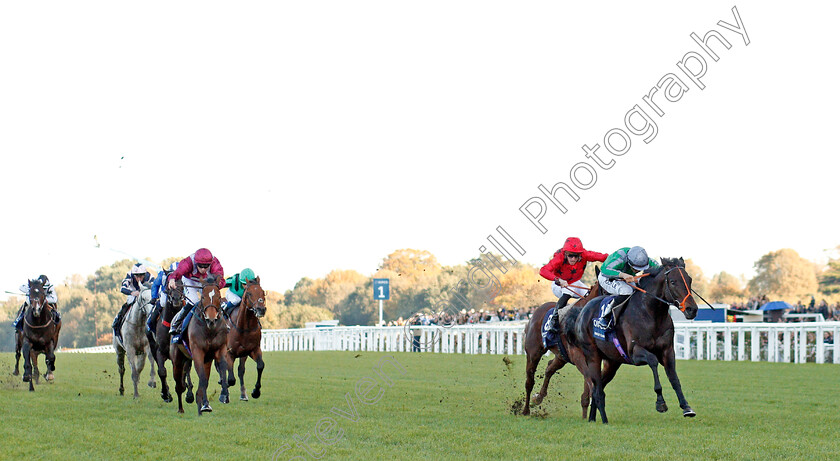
column 300, row 137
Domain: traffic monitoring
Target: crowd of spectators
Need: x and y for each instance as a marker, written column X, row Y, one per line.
column 465, row 317
column 829, row 311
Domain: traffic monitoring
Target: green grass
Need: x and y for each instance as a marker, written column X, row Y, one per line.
column 444, row 406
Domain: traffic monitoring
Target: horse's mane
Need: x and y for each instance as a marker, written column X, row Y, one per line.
column 664, row 264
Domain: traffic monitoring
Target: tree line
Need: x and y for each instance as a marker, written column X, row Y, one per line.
column 418, row 283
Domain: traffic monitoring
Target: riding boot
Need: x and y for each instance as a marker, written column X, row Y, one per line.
column 19, row 319
column 554, row 321
column 175, row 329
column 153, row 318
column 118, row 320
column 606, row 319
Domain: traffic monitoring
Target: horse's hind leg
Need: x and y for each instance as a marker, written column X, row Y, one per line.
column 121, row 367
column 222, row 368
column 670, row 363
column 257, row 357
column 190, row 397
column 137, row 362
column 555, row 364
column 36, row 373
column 642, row 355
column 243, row 396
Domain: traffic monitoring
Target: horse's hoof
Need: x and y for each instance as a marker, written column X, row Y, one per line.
column 49, row 377
column 255, row 393
column 122, row 392
column 190, row 398
column 205, row 408
column 689, row 413
column 537, row 400
column 526, row 411
column 243, row 398
column 26, row 378
column 661, row 407
column 232, row 382
column 166, row 398
column 152, row 384
column 15, row 373
column 224, row 399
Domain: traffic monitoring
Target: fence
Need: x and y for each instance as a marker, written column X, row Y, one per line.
column 771, row 342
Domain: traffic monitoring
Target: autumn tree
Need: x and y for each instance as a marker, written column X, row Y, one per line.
column 725, row 288
column 830, row 277
column 784, row 275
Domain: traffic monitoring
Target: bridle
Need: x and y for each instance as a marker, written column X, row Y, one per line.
column 668, row 292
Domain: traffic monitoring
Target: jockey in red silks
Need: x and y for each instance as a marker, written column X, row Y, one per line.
column 192, row 270
column 564, row 270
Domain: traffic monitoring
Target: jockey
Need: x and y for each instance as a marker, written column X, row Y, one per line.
column 236, row 287
column 191, row 270
column 52, row 300
column 130, row 287
column 159, row 296
column 564, row 269
column 617, row 275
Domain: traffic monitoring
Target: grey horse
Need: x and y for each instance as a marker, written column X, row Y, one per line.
column 135, row 343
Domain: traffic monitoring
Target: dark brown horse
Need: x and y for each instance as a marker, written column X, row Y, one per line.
column 159, row 341
column 644, row 331
column 206, row 339
column 245, row 336
column 40, row 334
column 535, row 350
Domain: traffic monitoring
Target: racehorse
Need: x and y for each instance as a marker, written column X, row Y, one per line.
column 135, row 345
column 159, row 341
column 244, row 339
column 643, row 329
column 40, row 334
column 206, row 339
column 569, row 353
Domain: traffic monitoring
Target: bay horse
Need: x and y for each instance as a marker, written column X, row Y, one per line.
column 535, row 350
column 135, row 345
column 245, row 336
column 40, row 334
column 206, row 339
column 643, row 329
column 159, row 340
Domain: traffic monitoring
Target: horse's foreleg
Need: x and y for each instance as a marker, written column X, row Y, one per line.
column 136, row 362
column 18, row 345
column 36, row 373
column 670, row 363
column 222, row 368
column 27, row 364
column 203, row 372
column 643, row 356
column 161, row 368
column 178, row 375
column 49, row 359
column 256, row 355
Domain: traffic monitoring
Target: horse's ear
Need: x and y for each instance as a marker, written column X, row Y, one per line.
column 257, row 280
column 682, row 263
